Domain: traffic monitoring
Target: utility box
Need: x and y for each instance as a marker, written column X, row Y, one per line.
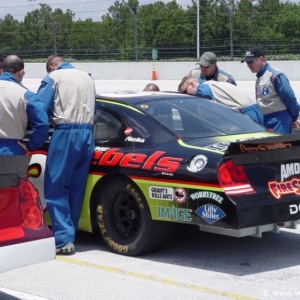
column 154, row 54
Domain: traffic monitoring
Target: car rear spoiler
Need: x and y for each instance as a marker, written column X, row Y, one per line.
column 270, row 149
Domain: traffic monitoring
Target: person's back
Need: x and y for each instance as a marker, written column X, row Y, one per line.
column 13, row 121
column 230, row 95
column 223, row 93
column 75, row 100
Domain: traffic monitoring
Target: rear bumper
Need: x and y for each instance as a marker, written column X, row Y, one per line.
column 255, row 231
column 28, row 253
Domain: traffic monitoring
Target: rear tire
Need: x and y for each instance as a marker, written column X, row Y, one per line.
column 124, row 220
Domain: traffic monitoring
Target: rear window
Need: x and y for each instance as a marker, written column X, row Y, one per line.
column 196, row 117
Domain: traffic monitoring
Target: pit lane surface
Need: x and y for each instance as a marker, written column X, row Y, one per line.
column 194, row 265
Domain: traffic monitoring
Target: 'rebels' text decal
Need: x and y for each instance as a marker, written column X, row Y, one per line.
column 156, row 161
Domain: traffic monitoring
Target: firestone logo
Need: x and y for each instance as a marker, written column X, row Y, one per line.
column 277, row 189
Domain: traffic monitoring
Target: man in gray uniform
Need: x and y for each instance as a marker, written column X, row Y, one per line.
column 18, row 106
column 274, row 93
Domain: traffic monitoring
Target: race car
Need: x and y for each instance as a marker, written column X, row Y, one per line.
column 25, row 238
column 165, row 158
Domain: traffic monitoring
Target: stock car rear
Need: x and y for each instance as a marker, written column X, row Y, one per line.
column 168, row 158
column 25, row 238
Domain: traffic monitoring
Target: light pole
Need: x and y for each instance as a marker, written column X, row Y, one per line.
column 53, row 26
column 198, row 29
column 135, row 29
column 230, row 10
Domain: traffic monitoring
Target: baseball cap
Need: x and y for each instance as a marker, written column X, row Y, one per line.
column 251, row 54
column 207, row 59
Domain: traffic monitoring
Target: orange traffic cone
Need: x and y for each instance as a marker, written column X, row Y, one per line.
column 154, row 75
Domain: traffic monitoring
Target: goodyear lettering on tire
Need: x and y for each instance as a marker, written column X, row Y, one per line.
column 117, row 247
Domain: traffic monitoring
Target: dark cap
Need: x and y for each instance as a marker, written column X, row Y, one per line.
column 207, row 59
column 251, row 54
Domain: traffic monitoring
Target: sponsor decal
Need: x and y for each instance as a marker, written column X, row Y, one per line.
column 167, row 174
column 277, row 188
column 210, row 213
column 174, row 213
column 154, row 162
column 265, row 91
column 206, row 195
column 161, row 193
column 35, row 173
column 136, row 140
column 219, row 146
column 288, row 170
column 263, row 147
column 102, row 149
column 180, row 195
column 197, row 163
column 128, row 131
column 294, row 209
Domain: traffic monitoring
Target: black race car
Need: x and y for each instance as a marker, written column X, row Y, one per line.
column 168, row 158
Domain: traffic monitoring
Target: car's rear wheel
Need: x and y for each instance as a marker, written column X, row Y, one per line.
column 124, row 219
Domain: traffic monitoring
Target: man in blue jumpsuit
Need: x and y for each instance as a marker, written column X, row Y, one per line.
column 208, row 70
column 223, row 93
column 69, row 98
column 274, row 94
column 18, row 106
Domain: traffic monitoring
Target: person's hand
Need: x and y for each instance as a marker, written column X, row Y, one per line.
column 295, row 125
column 23, row 146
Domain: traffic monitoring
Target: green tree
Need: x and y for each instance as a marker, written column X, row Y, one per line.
column 10, row 35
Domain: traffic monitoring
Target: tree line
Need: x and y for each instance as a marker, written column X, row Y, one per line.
column 130, row 31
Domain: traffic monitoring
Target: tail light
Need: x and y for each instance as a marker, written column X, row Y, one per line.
column 233, row 179
column 31, row 210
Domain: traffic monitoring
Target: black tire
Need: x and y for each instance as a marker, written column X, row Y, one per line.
column 124, row 220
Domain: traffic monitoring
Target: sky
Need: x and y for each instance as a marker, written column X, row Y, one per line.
column 83, row 9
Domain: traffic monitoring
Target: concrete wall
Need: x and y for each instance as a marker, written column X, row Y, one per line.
column 164, row 70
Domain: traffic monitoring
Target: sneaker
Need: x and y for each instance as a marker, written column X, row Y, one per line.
column 66, row 249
